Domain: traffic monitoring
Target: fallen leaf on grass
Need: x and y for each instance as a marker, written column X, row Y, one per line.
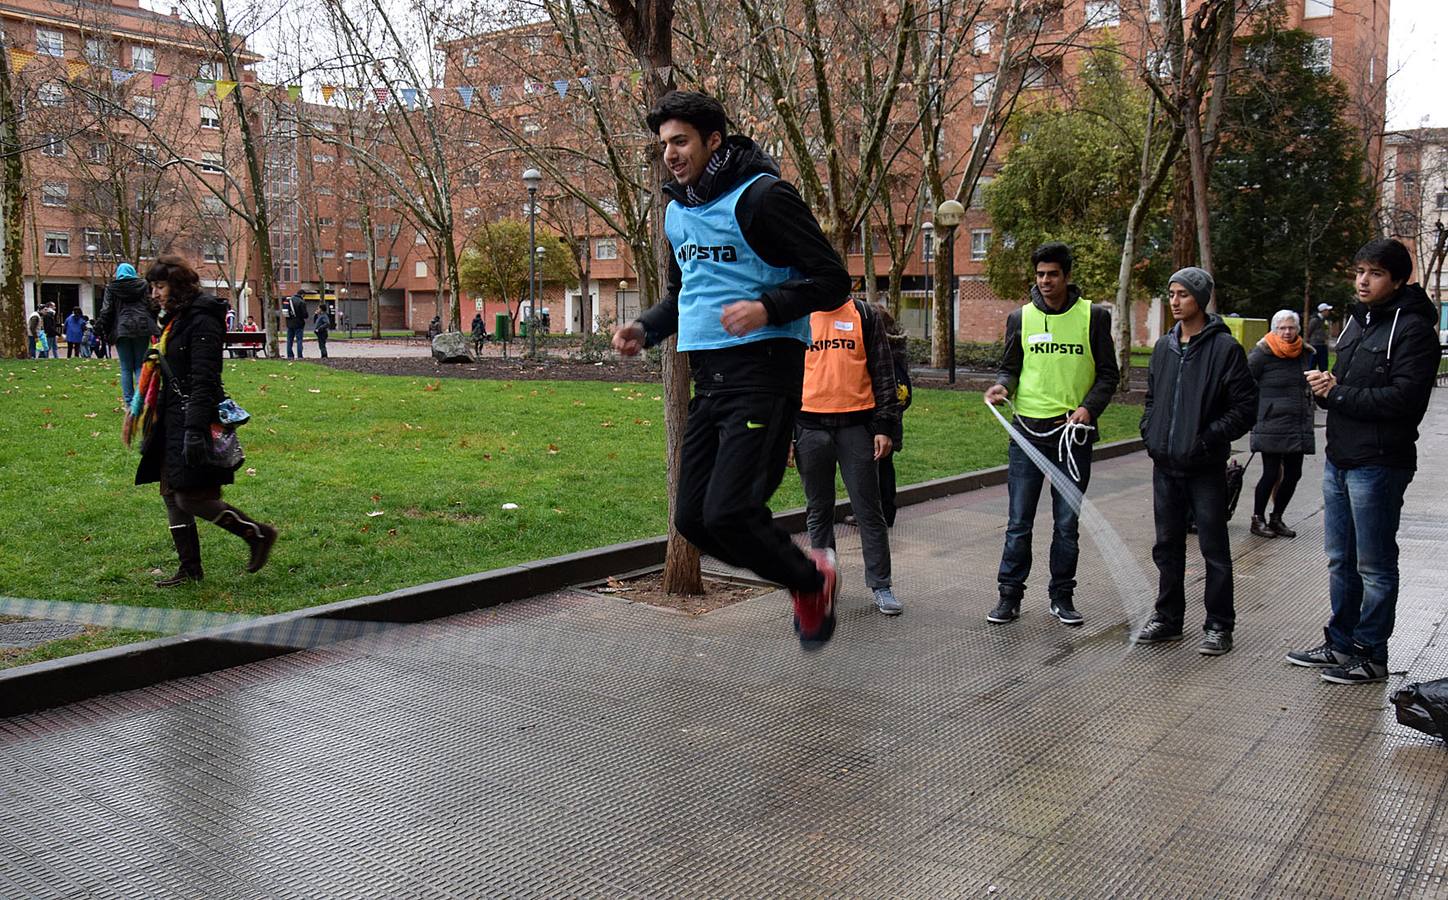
column 250, row 471
column 91, row 415
column 314, row 390
column 553, row 448
column 510, row 506
column 95, row 434
column 374, row 513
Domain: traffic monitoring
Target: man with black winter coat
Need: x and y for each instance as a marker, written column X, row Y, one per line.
column 749, row 266
column 1375, row 397
column 1200, row 396
column 296, row 310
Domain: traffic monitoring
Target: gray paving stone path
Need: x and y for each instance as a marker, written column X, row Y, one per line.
column 577, row 745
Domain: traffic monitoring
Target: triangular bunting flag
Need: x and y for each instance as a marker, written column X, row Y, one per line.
column 74, row 68
column 409, row 97
column 561, row 86
column 19, row 59
column 202, row 87
column 328, row 91
column 664, row 73
column 121, row 76
column 158, row 81
column 436, row 95
column 587, row 84
column 354, row 94
column 223, row 88
column 381, row 94
column 294, row 91
column 466, row 95
column 495, row 93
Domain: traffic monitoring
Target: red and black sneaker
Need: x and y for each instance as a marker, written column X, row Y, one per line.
column 814, row 611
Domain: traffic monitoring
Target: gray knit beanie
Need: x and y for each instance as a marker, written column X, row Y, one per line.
column 1198, row 281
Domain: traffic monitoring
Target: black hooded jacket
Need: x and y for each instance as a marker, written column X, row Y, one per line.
column 1387, row 360
column 193, row 352
column 1199, row 398
column 1103, row 351
column 126, row 310
column 781, row 229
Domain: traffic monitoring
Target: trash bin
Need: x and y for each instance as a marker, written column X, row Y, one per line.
column 522, row 328
column 502, row 327
column 1247, row 331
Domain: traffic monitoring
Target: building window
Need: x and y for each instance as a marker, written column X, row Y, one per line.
column 144, row 107
column 211, row 162
column 209, row 71
column 605, row 248
column 1037, row 73
column 1158, row 63
column 97, row 51
column 419, row 239
column 354, row 224
column 213, row 206
column 980, row 37
column 325, row 221
column 210, row 117
column 54, row 193
column 1103, row 13
column 471, row 58
column 980, row 88
column 323, row 158
column 471, row 212
column 977, row 196
column 1442, row 200
column 322, row 191
column 49, row 42
column 979, row 243
column 419, row 270
column 52, row 145
column 329, row 254
column 534, row 43
column 143, row 59
column 98, row 152
column 147, row 153
column 1320, row 57
column 394, row 263
column 213, row 252
column 1316, row 9
column 57, row 243
column 50, row 94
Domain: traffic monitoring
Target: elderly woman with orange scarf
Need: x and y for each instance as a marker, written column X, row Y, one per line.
column 1283, row 433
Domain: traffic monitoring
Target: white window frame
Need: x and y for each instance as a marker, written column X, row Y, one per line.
column 1103, row 13
column 419, row 270
column 97, row 51
column 979, row 236
column 212, row 163
column 1037, row 75
column 52, row 146
column 144, row 107
column 1317, row 9
column 49, row 42
column 980, row 37
column 98, row 152
column 214, row 206
column 59, row 241
column 213, row 252
column 143, row 59
column 209, row 70
column 977, row 196
column 148, row 153
column 55, row 193
column 323, row 158
column 1321, row 61
column 210, row 117
column 471, row 57
column 325, row 221
column 51, row 93
column 980, row 88
column 605, row 248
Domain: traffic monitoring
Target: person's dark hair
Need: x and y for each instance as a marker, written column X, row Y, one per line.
column 1054, row 252
column 1388, row 253
column 175, row 271
column 700, row 110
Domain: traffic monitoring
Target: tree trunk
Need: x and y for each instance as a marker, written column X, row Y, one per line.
column 1198, row 164
column 940, row 303
column 867, row 245
column 12, row 234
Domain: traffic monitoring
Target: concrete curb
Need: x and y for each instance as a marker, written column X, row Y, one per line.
column 43, row 685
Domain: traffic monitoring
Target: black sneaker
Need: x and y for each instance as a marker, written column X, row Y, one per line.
column 1356, row 671
column 1007, row 610
column 1215, row 643
column 1063, row 609
column 1157, row 631
column 1321, row 657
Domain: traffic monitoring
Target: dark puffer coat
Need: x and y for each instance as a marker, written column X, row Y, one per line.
column 1199, row 398
column 126, row 310
column 193, row 351
column 1284, row 404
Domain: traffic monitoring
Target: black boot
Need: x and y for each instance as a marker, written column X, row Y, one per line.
column 1260, row 528
column 259, row 536
column 1278, row 528
column 188, row 549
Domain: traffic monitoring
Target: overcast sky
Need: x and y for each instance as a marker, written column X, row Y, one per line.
column 1417, row 36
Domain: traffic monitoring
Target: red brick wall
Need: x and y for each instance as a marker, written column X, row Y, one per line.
column 983, row 314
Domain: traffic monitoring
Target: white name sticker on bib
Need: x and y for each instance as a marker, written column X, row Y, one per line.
column 844, row 326
column 1042, row 338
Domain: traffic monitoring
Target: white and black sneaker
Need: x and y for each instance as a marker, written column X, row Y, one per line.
column 1156, row 632
column 1007, row 610
column 1215, row 642
column 1323, row 657
column 1063, row 609
column 1357, row 671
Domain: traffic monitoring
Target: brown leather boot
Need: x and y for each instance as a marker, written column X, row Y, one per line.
column 258, row 535
column 1278, row 528
column 188, row 549
column 1260, row 528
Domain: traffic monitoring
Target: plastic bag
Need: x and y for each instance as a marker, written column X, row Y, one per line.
column 1424, row 706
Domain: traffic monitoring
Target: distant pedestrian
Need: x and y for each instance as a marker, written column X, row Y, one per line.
column 1316, row 336
column 480, row 333
column 87, row 338
column 434, row 328
column 128, row 319
column 230, row 318
column 175, row 407
column 296, row 310
column 74, row 333
column 1375, row 397
column 252, row 347
column 321, row 324
column 846, row 416
column 1283, row 433
column 1200, row 397
column 34, row 330
column 51, row 323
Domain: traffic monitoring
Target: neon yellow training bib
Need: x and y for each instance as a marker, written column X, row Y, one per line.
column 1057, row 369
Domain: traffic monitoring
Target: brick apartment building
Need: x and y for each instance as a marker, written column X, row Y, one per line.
column 1415, row 203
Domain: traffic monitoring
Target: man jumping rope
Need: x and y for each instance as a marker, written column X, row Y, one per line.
column 750, row 264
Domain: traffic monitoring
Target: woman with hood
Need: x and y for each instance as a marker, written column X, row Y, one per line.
column 1283, row 433
column 175, row 405
column 128, row 322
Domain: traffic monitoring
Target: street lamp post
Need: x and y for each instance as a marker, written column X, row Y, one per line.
column 950, row 214
column 90, row 269
column 342, row 289
column 928, row 230
column 618, row 303
column 532, row 178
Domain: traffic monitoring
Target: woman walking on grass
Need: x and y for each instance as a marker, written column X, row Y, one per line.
column 175, row 406
column 1283, row 433
column 128, row 321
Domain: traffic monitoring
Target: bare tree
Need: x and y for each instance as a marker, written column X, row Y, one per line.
column 12, row 201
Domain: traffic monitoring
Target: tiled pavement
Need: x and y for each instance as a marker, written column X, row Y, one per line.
column 578, row 745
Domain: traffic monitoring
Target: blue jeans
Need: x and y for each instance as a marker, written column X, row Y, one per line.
column 1023, row 483
column 295, row 331
column 132, row 352
column 1362, row 508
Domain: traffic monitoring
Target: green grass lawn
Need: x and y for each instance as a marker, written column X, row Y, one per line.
column 375, row 482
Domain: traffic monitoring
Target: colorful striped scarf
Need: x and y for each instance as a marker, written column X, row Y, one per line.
column 148, row 392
